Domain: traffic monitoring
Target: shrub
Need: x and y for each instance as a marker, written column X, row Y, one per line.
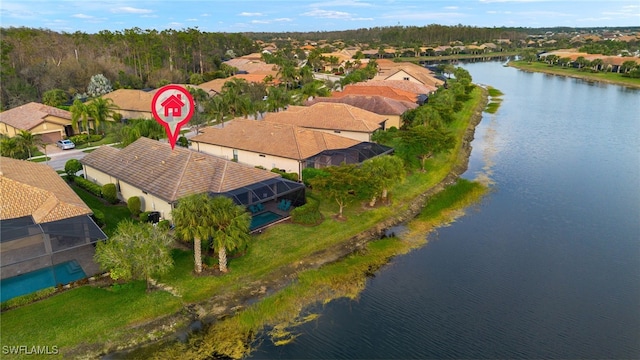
column 27, row 299
column 71, row 167
column 110, row 193
column 164, row 224
column 144, row 216
column 310, row 173
column 286, row 175
column 98, row 218
column 307, row 214
column 134, row 205
column 210, row 261
column 183, row 141
column 95, row 189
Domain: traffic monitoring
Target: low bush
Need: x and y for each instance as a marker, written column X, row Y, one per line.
column 134, row 205
column 286, row 175
column 144, row 216
column 164, row 224
column 93, row 188
column 110, row 193
column 307, row 214
column 27, row 299
column 310, row 173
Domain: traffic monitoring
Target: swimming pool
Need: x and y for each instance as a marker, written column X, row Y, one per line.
column 263, row 219
column 28, row 283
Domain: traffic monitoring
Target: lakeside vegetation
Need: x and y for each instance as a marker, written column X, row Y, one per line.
column 494, row 100
column 113, row 322
column 606, row 77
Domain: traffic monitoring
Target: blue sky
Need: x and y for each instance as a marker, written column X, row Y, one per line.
column 302, row 15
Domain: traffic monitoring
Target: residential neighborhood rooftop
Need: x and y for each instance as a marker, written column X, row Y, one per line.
column 170, row 174
column 30, row 115
column 35, row 189
column 372, row 103
column 278, row 139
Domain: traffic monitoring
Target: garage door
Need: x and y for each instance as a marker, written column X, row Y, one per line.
column 51, row 138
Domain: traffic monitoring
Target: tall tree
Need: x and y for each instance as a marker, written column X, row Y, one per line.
column 79, row 112
column 28, row 141
column 424, row 142
column 101, row 109
column 343, row 184
column 192, row 218
column 55, row 97
column 382, row 173
column 231, row 224
column 136, row 251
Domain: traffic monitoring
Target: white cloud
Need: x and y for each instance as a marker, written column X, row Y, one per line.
column 328, row 14
column 193, row 19
column 283, row 20
column 82, row 16
column 131, row 10
column 341, row 3
column 250, row 14
column 260, row 22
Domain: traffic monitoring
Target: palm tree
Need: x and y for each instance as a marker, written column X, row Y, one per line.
column 192, row 218
column 79, row 111
column 231, row 224
column 28, row 141
column 100, row 109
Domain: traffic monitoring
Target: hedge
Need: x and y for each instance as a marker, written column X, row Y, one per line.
column 95, row 189
column 110, row 193
column 307, row 214
column 134, row 205
column 286, row 175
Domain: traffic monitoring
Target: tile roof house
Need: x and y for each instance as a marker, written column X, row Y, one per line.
column 275, row 145
column 161, row 176
column 390, row 108
column 384, row 91
column 44, row 224
column 132, row 104
column 338, row 118
column 48, row 121
column 409, row 86
column 389, row 70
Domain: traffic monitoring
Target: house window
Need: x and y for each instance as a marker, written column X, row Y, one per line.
column 235, row 155
column 262, row 155
column 336, row 131
column 406, row 78
column 144, row 192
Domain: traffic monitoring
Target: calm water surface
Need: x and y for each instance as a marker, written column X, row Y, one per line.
column 547, row 266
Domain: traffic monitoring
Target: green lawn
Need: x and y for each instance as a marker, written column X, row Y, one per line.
column 88, row 315
column 113, row 214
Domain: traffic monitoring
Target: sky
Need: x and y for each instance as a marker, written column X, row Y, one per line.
column 91, row 16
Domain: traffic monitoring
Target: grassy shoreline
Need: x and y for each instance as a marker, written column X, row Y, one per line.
column 605, row 77
column 107, row 319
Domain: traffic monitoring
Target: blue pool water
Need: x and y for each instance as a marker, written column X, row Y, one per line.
column 28, row 283
column 263, row 219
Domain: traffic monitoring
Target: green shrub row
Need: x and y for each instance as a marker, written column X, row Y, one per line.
column 307, row 214
column 82, row 139
column 95, row 189
column 286, row 175
column 27, row 299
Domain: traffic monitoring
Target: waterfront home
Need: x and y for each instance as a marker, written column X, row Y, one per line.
column 51, row 123
column 389, row 70
column 160, row 176
column 47, row 236
column 337, row 118
column 286, row 147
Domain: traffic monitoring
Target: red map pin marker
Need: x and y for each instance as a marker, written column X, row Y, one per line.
column 172, row 106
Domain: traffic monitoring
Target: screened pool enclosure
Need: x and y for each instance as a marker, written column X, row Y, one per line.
column 36, row 256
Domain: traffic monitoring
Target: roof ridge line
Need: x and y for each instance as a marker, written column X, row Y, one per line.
column 182, row 174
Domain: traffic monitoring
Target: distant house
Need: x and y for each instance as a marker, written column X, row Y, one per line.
column 132, row 104
column 282, row 146
column 51, row 123
column 47, row 236
column 342, row 119
column 389, row 70
column 391, row 109
column 161, row 176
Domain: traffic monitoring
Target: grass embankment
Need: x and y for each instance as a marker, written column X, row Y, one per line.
column 604, row 76
column 111, row 320
column 113, row 214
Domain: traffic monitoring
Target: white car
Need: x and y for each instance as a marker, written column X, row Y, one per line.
column 65, row 144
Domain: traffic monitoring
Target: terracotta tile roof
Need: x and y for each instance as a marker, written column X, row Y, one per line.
column 375, row 104
column 216, row 85
column 409, row 86
column 28, row 116
column 34, row 189
column 611, row 60
column 389, row 68
column 154, row 167
column 384, row 91
column 330, row 116
column 251, row 65
column 264, row 137
column 129, row 99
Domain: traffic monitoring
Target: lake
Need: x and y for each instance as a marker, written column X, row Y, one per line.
column 546, row 266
